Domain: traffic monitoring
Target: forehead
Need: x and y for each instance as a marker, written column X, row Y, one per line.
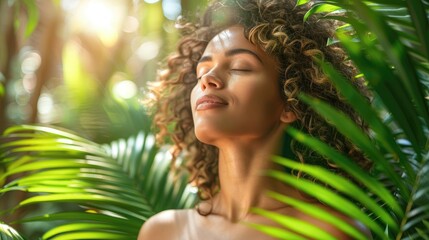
column 228, row 38
column 233, row 38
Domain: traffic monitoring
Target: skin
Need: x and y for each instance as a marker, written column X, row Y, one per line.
column 245, row 121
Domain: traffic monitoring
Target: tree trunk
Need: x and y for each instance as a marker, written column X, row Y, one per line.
column 7, row 30
column 49, row 44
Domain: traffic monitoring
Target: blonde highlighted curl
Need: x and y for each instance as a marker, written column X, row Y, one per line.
column 276, row 26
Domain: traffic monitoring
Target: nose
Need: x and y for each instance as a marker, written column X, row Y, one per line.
column 211, row 80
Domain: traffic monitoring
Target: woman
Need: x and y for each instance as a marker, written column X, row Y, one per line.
column 228, row 93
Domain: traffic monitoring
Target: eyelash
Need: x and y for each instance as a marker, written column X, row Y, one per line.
column 234, row 69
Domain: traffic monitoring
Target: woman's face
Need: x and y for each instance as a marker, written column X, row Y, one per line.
column 237, row 95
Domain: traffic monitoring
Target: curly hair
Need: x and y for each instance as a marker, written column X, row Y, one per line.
column 276, row 26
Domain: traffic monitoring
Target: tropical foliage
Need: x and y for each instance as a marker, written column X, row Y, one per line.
column 67, row 62
column 388, row 42
column 124, row 182
column 116, row 186
column 37, row 39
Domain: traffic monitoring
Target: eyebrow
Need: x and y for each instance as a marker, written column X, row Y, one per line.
column 232, row 52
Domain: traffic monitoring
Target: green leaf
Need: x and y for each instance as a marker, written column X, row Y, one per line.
column 414, row 222
column 275, row 232
column 84, row 217
column 382, row 133
column 110, row 179
column 2, row 92
column 54, row 142
column 419, row 210
column 8, row 233
column 88, row 234
column 419, row 18
column 341, row 185
column 330, row 198
column 317, row 212
column 390, row 90
column 349, row 129
column 60, row 163
column 44, row 131
column 82, row 198
column 320, row 8
column 299, row 226
column 108, row 231
column 350, row 167
column 423, row 234
column 397, row 55
column 302, row 2
column 32, row 16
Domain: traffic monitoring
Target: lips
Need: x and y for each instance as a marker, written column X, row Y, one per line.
column 209, row 102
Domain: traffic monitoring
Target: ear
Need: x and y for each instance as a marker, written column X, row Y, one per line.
column 287, row 116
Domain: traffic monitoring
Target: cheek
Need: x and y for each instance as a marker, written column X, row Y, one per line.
column 258, row 94
column 261, row 103
column 194, row 95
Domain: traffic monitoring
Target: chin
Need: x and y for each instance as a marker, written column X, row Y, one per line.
column 204, row 136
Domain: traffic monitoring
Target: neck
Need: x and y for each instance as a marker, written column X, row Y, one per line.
column 242, row 164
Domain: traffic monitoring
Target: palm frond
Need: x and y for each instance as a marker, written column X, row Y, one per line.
column 122, row 183
column 299, row 226
column 8, row 233
column 388, row 42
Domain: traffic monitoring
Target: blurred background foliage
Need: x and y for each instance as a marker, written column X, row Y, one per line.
column 82, row 65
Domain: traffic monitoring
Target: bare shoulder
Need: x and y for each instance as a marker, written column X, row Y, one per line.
column 164, row 225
